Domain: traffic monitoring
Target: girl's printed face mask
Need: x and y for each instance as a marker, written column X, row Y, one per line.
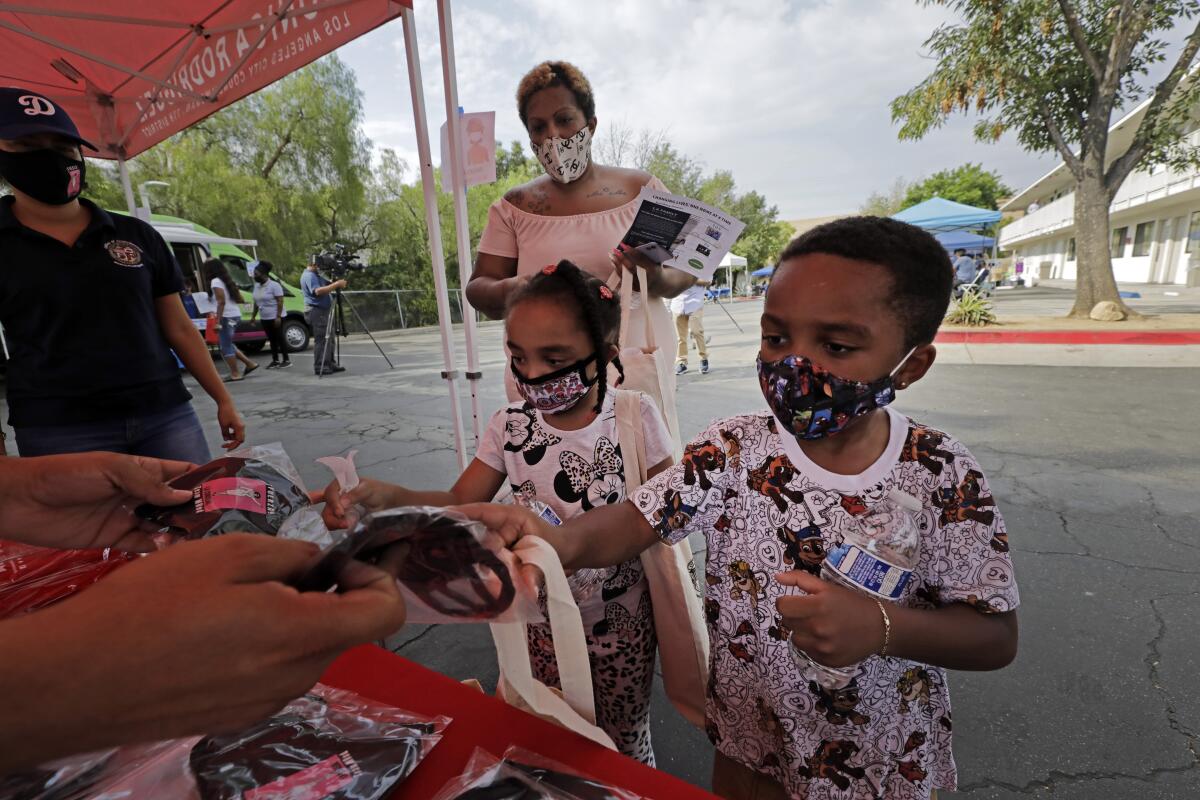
column 811, row 403
column 565, row 159
column 557, row 391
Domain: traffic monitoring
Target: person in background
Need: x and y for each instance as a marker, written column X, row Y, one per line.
column 91, row 311
column 226, row 296
column 578, row 210
column 200, row 638
column 688, row 308
column 268, row 302
column 964, row 268
column 318, row 312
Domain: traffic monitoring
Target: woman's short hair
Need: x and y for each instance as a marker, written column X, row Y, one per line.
column 556, row 73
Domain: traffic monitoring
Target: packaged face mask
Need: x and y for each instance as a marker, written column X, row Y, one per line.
column 328, row 744
column 255, row 492
column 447, row 568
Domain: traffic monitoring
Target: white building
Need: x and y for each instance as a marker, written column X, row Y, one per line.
column 1154, row 223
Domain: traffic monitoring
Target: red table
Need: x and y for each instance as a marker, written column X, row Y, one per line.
column 483, row 721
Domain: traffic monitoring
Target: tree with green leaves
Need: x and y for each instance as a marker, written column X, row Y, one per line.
column 1053, row 72
column 888, row 202
column 969, row 184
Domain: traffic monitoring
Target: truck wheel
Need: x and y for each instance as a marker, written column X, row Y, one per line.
column 295, row 334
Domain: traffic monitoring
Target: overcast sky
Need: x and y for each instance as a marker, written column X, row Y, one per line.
column 791, row 96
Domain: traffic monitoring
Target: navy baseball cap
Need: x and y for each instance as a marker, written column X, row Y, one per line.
column 24, row 113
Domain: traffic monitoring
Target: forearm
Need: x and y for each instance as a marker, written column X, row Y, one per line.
column 604, row 537
column 956, row 637
column 668, row 282
column 47, row 717
column 487, row 295
column 193, row 352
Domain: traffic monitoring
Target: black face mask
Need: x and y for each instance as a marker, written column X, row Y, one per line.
column 47, row 176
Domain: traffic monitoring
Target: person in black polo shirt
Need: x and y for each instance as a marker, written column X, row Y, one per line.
column 90, row 306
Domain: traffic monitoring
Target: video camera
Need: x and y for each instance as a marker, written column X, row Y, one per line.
column 337, row 264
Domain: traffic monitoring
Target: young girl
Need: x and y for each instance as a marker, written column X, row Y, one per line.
column 226, row 296
column 558, row 451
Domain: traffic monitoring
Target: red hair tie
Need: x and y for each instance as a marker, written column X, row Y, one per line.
column 606, row 292
column 549, row 269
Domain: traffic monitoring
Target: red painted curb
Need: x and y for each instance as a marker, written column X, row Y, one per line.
column 1069, row 337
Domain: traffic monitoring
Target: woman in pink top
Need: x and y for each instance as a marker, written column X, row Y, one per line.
column 578, row 210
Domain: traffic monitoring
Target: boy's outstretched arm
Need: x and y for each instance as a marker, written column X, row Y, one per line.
column 838, row 627
column 604, row 537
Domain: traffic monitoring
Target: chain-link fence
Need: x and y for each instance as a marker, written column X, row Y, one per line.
column 391, row 309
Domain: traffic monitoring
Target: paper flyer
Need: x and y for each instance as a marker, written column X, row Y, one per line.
column 682, row 233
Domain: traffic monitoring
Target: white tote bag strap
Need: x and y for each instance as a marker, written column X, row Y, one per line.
column 575, row 710
column 621, row 282
column 632, row 438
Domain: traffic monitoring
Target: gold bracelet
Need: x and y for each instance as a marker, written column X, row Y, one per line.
column 887, row 628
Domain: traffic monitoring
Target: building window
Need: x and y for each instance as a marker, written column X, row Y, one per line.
column 1193, row 231
column 1141, row 239
column 1118, row 242
column 1071, row 249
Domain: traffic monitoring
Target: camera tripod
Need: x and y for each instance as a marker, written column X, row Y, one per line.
column 336, row 328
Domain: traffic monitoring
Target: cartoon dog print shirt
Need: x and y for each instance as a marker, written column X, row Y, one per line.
column 765, row 508
column 573, row 472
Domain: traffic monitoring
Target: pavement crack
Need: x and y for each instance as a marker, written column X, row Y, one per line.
column 1057, row 780
column 1146, row 567
column 1152, row 661
column 417, row 638
column 1066, row 529
column 1156, row 514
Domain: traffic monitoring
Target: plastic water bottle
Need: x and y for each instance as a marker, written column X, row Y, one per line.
column 876, row 558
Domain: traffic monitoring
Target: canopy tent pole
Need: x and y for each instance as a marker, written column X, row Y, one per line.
column 462, row 224
column 450, row 372
column 127, row 186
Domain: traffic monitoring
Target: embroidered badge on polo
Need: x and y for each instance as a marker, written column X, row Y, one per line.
column 123, row 253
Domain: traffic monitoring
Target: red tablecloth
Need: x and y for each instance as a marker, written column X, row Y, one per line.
column 483, row 721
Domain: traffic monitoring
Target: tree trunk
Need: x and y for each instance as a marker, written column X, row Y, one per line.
column 1094, row 280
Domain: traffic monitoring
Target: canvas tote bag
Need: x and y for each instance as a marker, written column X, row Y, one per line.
column 678, row 615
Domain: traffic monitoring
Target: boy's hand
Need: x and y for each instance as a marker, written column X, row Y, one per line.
column 834, row 625
column 509, row 523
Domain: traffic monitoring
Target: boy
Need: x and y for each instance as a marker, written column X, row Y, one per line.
column 773, row 492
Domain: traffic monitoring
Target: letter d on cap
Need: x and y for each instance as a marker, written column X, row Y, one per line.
column 36, row 106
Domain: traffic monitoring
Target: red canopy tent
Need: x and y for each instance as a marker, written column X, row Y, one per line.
column 132, row 73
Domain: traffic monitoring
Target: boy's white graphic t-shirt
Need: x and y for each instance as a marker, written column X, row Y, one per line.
column 573, row 472
column 765, row 508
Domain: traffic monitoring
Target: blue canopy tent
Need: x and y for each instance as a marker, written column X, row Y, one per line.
column 940, row 216
column 937, row 215
column 971, row 242
column 762, row 273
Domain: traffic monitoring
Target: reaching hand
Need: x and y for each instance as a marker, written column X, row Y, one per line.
column 509, row 523
column 85, row 500
column 202, row 637
column 370, row 494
